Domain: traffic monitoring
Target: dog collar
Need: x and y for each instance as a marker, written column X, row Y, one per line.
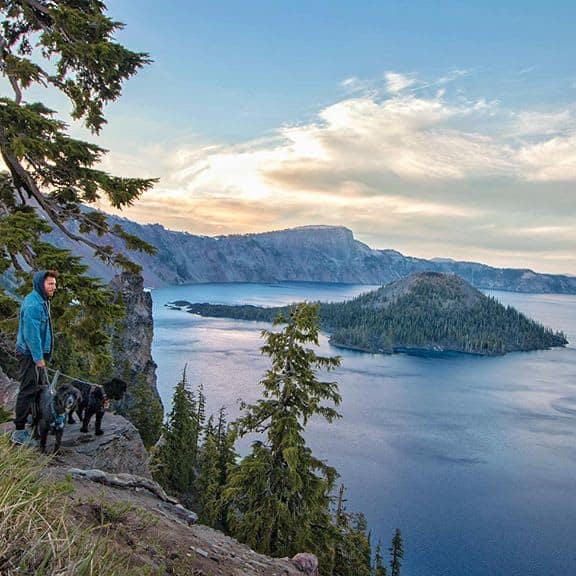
column 58, row 420
column 58, row 423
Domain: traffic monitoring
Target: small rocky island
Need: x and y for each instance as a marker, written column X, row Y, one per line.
column 426, row 312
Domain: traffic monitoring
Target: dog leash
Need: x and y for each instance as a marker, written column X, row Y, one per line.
column 52, row 383
column 58, row 374
column 57, row 420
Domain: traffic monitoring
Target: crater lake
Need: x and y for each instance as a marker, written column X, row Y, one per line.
column 473, row 458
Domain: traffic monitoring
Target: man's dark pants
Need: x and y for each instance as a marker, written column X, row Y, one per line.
column 31, row 378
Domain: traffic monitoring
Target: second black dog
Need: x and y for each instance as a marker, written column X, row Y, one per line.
column 95, row 400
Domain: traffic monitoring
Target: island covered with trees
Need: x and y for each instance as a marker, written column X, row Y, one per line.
column 426, row 312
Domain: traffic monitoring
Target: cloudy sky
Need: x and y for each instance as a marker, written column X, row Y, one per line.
column 442, row 128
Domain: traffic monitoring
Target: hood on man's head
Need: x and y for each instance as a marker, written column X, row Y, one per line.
column 38, row 283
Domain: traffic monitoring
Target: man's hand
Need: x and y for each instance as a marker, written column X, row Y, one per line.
column 41, row 364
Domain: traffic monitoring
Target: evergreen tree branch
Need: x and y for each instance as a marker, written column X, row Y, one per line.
column 20, row 174
column 15, row 263
column 67, row 45
column 4, row 52
column 38, row 6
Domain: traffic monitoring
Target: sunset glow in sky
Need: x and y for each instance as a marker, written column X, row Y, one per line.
column 433, row 128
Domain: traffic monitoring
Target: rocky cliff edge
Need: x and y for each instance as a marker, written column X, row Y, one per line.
column 110, row 484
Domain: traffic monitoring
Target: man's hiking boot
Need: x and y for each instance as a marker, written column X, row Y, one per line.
column 23, row 438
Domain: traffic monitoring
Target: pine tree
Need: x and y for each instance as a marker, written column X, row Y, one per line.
column 353, row 550
column 208, row 486
column 396, row 553
column 67, row 46
column 217, row 459
column 227, row 456
column 176, row 459
column 200, row 409
column 278, row 497
column 362, row 543
column 379, row 567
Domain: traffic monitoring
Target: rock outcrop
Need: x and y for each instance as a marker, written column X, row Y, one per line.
column 132, row 338
column 118, row 450
column 162, row 537
column 8, row 385
column 109, row 482
column 132, row 356
column 8, row 391
column 304, row 254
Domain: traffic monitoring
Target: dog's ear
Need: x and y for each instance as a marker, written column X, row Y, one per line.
column 115, row 388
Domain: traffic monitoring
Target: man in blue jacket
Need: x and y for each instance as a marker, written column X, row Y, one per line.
column 34, row 347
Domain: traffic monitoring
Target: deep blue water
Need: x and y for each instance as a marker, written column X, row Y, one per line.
column 473, row 458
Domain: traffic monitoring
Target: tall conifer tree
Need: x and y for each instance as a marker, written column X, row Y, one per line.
column 217, row 460
column 68, row 46
column 379, row 567
column 208, row 485
column 227, row 461
column 278, row 497
column 396, row 553
column 353, row 550
column 176, row 459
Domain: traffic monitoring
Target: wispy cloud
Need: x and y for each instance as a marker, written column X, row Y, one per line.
column 548, row 161
column 351, row 82
column 396, row 83
column 535, row 123
column 431, row 175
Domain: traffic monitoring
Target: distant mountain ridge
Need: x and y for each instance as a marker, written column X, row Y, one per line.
column 304, row 254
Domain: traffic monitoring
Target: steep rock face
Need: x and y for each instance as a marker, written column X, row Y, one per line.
column 304, row 254
column 133, row 337
column 132, row 356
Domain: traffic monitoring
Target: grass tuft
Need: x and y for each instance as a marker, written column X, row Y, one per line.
column 37, row 536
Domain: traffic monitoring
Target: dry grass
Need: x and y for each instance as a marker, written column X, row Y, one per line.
column 51, row 525
column 37, row 535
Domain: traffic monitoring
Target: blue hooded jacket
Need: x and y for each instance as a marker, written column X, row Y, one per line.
column 35, row 327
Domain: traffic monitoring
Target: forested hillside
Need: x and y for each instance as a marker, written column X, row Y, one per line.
column 427, row 311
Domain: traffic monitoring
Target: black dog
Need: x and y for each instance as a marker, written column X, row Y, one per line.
column 95, row 400
column 50, row 412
